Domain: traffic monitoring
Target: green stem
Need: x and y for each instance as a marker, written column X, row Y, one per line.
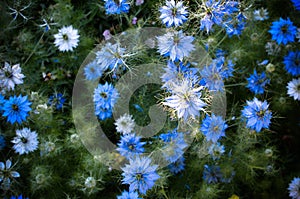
column 34, row 49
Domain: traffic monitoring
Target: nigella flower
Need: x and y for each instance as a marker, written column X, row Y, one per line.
column 173, row 14
column 67, row 38
column 16, row 109
column 174, row 145
column 105, row 97
column 272, row 48
column 26, row 141
column 2, row 100
column 130, row 145
column 92, row 71
column 296, row 4
column 294, row 89
column 292, row 63
column 257, row 114
column 129, row 195
column 10, row 76
column 6, row 174
column 216, row 150
column 176, row 45
column 214, row 74
column 57, row 100
column 139, row 2
column 186, row 100
column 140, row 174
column 213, row 127
column 283, row 31
column 116, row 6
column 177, row 166
column 261, row 14
column 125, row 124
column 174, row 74
column 211, row 174
column 257, row 82
column 234, row 26
column 110, row 56
column 294, row 188
column 18, row 197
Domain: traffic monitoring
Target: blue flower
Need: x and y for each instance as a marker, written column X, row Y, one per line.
column 92, row 71
column 18, row 197
column 116, row 7
column 174, row 145
column 214, row 74
column 211, row 174
column 173, row 14
column 129, row 195
column 234, row 26
column 216, row 150
column 292, row 63
column 213, row 127
column 177, row 166
column 260, row 14
column 140, row 174
column 257, row 114
column 176, row 45
column 105, row 97
column 130, row 145
column 16, row 109
column 186, row 100
column 2, row 142
column 57, row 100
column 296, row 4
column 294, row 188
column 110, row 57
column 283, row 31
column 257, row 82
column 26, row 141
column 6, row 174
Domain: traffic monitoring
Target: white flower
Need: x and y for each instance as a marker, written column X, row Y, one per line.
column 26, row 141
column 10, row 76
column 66, row 39
column 294, row 89
column 125, row 124
column 186, row 100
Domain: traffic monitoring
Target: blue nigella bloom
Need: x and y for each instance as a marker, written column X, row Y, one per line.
column 174, row 145
column 2, row 100
column 105, row 97
column 294, row 188
column 213, row 127
column 2, row 142
column 296, row 4
column 92, row 71
column 16, row 109
column 173, row 14
column 292, row 63
column 216, row 150
column 235, row 26
column 257, row 82
column 257, row 114
column 129, row 195
column 177, row 166
column 140, row 174
column 116, row 6
column 6, row 174
column 130, row 145
column 175, row 45
column 57, row 100
column 211, row 174
column 283, row 31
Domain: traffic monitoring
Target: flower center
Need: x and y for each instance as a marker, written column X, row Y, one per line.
column 104, row 95
column 24, row 140
column 261, row 113
column 15, row 107
column 284, row 29
column 216, row 128
column 139, row 176
column 65, row 36
column 297, row 62
column 174, row 12
column 8, row 74
column 131, row 146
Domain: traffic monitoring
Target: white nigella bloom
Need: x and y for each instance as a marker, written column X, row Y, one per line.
column 294, row 89
column 66, row 39
column 186, row 100
column 125, row 124
column 26, row 141
column 10, row 76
